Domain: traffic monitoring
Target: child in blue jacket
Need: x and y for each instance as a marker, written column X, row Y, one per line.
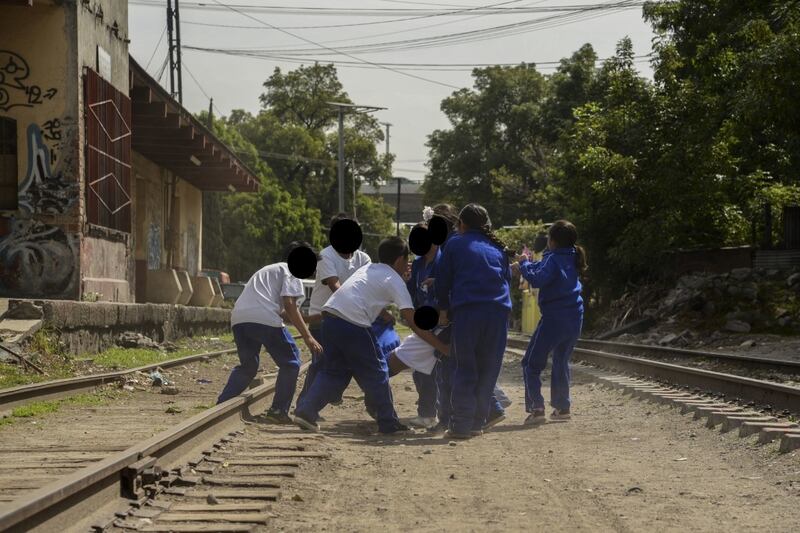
column 557, row 276
column 473, row 290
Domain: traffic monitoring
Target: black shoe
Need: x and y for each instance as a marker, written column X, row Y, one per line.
column 494, row 419
column 276, row 416
column 396, row 428
column 305, row 424
column 450, row 434
column 535, row 418
column 560, row 414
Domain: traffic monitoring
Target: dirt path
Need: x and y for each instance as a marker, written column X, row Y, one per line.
column 619, row 465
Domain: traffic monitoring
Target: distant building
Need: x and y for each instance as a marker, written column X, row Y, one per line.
column 101, row 171
column 411, row 203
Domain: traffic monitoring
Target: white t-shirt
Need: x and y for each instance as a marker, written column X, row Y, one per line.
column 367, row 292
column 330, row 265
column 261, row 300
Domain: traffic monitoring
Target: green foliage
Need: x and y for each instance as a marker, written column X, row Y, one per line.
column 123, row 358
column 642, row 167
column 524, row 234
column 292, row 143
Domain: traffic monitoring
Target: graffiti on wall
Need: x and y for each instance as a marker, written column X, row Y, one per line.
column 15, row 90
column 44, row 191
column 38, row 260
column 154, row 247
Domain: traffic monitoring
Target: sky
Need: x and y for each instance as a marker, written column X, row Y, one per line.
column 235, row 82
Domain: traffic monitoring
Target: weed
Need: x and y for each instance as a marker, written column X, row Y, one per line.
column 122, row 358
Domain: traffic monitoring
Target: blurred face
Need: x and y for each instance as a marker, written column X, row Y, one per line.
column 461, row 227
column 401, row 265
column 551, row 244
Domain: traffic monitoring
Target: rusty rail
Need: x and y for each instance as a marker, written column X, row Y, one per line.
column 99, row 489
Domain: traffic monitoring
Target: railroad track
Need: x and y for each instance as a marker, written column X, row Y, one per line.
column 59, row 388
column 644, row 361
column 222, row 450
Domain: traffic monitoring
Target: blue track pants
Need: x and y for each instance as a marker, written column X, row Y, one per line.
column 477, row 345
column 249, row 339
column 350, row 351
column 557, row 335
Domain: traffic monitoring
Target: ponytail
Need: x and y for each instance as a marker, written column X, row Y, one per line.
column 564, row 234
column 475, row 217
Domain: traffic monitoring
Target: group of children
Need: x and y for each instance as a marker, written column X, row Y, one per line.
column 456, row 364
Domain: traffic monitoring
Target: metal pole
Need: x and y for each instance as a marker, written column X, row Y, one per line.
column 171, row 49
column 210, row 113
column 397, row 215
column 178, row 49
column 341, row 160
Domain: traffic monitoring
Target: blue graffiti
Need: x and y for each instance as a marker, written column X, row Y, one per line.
column 43, row 191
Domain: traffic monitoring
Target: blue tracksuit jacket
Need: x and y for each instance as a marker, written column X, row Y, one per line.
column 480, row 271
column 556, row 277
column 419, row 273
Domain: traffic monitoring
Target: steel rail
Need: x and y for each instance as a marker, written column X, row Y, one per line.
column 59, row 388
column 73, row 501
column 762, row 392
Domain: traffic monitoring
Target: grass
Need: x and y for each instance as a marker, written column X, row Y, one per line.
column 45, row 407
column 124, row 358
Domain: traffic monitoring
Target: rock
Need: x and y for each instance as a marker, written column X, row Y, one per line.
column 780, row 312
column 772, row 273
column 737, row 326
column 170, row 390
column 131, row 339
column 741, row 274
column 751, row 293
column 748, row 344
column 709, row 308
column 784, row 321
column 734, row 290
column 668, row 339
column 211, row 500
column 173, row 410
column 793, row 280
column 24, row 310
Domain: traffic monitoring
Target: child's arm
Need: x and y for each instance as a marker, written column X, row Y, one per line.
column 427, row 336
column 290, row 305
column 538, row 273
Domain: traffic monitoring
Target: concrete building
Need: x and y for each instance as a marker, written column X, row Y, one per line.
column 101, row 171
column 411, row 203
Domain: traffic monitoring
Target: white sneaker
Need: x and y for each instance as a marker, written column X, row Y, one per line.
column 423, row 421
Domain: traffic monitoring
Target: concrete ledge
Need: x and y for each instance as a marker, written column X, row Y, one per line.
column 186, row 287
column 89, row 327
column 203, row 294
column 163, row 287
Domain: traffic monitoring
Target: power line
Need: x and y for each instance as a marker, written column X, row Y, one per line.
column 463, row 37
column 336, row 51
column 163, row 32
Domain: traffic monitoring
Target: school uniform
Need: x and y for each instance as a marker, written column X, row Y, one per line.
column 556, row 277
column 350, row 348
column 256, row 322
column 330, row 265
column 472, row 284
column 414, row 352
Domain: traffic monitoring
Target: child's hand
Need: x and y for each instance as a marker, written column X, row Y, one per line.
column 313, row 345
column 428, row 282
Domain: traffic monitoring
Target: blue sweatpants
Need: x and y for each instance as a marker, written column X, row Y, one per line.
column 249, row 338
column 477, row 345
column 427, row 391
column 350, row 351
column 316, row 361
column 556, row 334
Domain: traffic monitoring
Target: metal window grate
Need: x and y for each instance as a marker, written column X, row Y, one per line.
column 108, row 153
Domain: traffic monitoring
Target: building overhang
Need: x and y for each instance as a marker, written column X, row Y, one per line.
column 170, row 136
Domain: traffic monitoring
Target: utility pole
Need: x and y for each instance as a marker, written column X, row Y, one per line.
column 342, row 107
column 397, row 209
column 210, row 113
column 174, row 38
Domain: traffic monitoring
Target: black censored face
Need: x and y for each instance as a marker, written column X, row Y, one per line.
column 419, row 240
column 437, row 228
column 426, row 317
column 346, row 236
column 302, row 262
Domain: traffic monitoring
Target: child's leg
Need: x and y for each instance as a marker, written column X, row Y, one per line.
column 542, row 343
column 559, row 389
column 501, row 396
column 492, row 347
column 426, row 389
column 334, row 374
column 468, row 328
column 395, row 364
column 280, row 345
column 248, row 345
column 370, row 371
column 444, row 386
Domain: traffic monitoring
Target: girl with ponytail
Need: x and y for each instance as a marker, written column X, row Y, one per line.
column 473, row 290
column 557, row 276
